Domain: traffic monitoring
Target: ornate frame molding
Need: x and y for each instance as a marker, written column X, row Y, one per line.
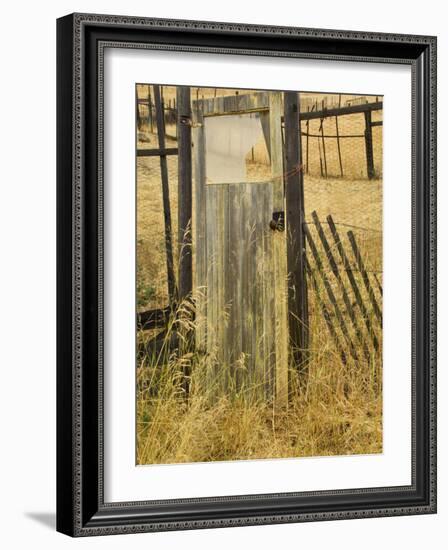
column 81, row 40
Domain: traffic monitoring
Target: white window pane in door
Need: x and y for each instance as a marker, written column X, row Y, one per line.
column 235, row 148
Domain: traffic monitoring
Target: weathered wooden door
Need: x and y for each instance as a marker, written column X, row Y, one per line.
column 240, row 243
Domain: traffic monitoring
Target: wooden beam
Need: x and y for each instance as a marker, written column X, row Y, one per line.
column 295, row 218
column 323, row 146
column 280, row 297
column 172, row 292
column 150, row 117
column 307, row 143
column 341, row 111
column 339, row 142
column 157, row 152
column 333, row 136
column 238, row 104
column 139, row 118
column 184, row 195
column 369, row 145
column 200, row 218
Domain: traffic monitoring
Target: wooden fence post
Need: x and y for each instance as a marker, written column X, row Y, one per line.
column 295, row 218
column 137, row 106
column 339, row 141
column 307, row 144
column 150, row 117
column 166, row 197
column 323, row 140
column 279, row 252
column 369, row 144
column 184, row 197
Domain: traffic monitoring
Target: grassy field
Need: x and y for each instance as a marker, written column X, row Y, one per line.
column 340, row 412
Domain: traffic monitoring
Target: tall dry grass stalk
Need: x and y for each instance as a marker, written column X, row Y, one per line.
column 338, row 413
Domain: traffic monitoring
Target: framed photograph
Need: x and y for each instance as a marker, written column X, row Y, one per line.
column 246, row 274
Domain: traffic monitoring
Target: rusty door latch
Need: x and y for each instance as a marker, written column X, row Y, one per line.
column 278, row 221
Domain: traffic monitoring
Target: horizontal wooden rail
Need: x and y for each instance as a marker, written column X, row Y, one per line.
column 306, row 134
column 145, row 101
column 157, row 152
column 341, row 111
column 311, row 115
column 316, row 115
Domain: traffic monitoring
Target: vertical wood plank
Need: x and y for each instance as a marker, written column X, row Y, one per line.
column 339, row 142
column 172, row 292
column 150, row 116
column 137, row 106
column 236, row 258
column 295, row 218
column 200, row 218
column 324, row 151
column 307, row 144
column 369, row 144
column 244, row 218
column 265, row 344
column 184, row 191
column 320, row 157
column 250, row 281
column 216, row 197
column 280, row 300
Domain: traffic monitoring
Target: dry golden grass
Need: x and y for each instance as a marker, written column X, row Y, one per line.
column 341, row 410
column 339, row 413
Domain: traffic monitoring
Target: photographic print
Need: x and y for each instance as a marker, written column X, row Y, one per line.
column 259, row 274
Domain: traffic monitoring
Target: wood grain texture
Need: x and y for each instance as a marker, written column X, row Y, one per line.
column 172, row 290
column 240, row 320
column 200, row 217
column 227, row 105
column 184, row 192
column 295, row 218
column 280, row 295
column 242, row 264
column 369, row 144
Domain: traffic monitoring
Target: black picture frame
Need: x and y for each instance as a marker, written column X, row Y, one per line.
column 81, row 510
